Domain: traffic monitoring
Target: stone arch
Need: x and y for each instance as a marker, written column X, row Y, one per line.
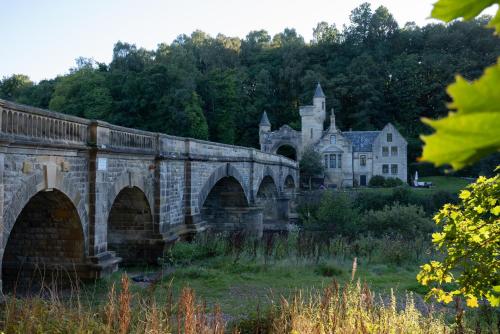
column 289, row 184
column 267, row 172
column 45, row 245
column 226, row 170
column 267, row 197
column 132, row 232
column 142, row 181
column 33, row 185
column 283, row 144
column 227, row 209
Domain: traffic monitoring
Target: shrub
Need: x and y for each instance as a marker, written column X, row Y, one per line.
column 405, row 220
column 391, row 182
column 202, row 247
column 401, row 195
column 376, row 181
column 372, row 201
column 336, row 213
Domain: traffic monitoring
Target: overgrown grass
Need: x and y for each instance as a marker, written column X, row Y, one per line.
column 242, row 285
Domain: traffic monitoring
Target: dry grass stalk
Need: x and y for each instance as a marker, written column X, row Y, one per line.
column 124, row 314
column 110, row 310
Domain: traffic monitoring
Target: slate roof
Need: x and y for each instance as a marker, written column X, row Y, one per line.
column 362, row 141
column 264, row 120
column 319, row 91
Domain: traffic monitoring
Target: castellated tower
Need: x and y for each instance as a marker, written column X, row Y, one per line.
column 313, row 118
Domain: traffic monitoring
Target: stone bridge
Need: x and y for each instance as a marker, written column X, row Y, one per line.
column 80, row 196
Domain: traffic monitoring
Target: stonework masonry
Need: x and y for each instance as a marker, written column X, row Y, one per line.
column 84, row 194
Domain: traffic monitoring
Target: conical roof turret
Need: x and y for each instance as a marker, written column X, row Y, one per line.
column 264, row 121
column 319, row 92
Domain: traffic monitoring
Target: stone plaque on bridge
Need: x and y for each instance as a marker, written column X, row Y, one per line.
column 102, row 164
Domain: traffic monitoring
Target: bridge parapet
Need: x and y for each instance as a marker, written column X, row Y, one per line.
column 28, row 125
column 21, row 123
column 197, row 149
column 118, row 138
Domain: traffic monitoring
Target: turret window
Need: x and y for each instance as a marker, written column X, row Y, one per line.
column 339, row 165
column 311, row 133
column 362, row 160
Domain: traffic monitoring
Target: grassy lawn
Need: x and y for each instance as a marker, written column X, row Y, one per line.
column 450, row 184
column 447, row 183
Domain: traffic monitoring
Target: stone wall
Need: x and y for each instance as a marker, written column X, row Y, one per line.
column 400, row 160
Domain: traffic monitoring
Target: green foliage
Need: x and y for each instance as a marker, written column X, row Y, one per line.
column 372, row 71
column 12, row 87
column 328, row 270
column 377, row 181
column 472, row 132
column 448, row 10
column 311, row 163
column 372, row 200
column 204, row 246
column 336, row 213
column 392, row 182
column 401, row 194
column 380, row 181
column 407, row 221
column 82, row 94
column 198, row 127
column 470, row 238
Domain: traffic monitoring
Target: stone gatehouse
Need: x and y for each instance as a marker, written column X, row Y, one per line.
column 350, row 158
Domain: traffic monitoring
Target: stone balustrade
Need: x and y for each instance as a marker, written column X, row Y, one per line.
column 28, row 124
column 23, row 123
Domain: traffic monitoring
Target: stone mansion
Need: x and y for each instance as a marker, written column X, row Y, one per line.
column 351, row 158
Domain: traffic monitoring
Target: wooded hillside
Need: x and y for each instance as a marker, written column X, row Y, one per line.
column 373, row 71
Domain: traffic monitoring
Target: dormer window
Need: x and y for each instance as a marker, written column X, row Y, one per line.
column 333, row 139
column 389, row 137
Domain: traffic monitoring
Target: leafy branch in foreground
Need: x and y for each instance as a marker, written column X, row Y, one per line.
column 471, row 241
column 471, row 132
column 470, row 236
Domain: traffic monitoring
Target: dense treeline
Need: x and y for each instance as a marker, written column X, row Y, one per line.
column 372, row 71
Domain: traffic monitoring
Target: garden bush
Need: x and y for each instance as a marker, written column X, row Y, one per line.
column 336, row 213
column 401, row 195
column 377, row 181
column 405, row 220
column 391, row 182
column 366, row 201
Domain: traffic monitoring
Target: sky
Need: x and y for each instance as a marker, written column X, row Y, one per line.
column 42, row 38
